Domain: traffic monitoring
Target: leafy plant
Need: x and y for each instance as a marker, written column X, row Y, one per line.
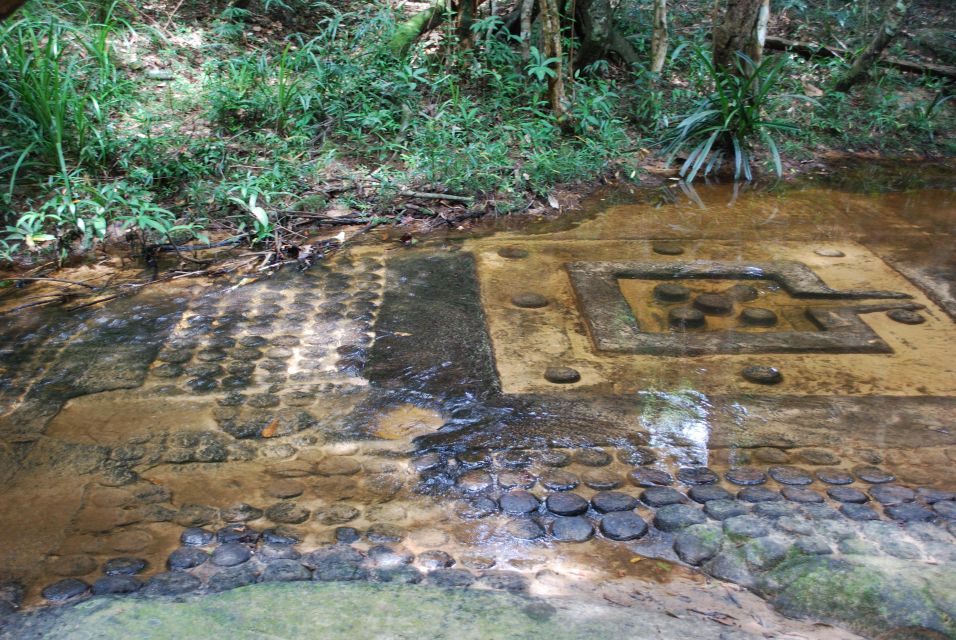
column 262, row 90
column 729, row 118
column 262, row 225
column 487, row 25
column 231, row 93
column 7, row 250
column 41, row 99
column 29, row 229
column 593, row 107
column 59, row 87
column 231, row 22
column 924, row 115
column 539, row 66
column 287, row 91
column 86, row 213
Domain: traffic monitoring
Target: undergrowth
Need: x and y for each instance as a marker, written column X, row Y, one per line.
column 246, row 132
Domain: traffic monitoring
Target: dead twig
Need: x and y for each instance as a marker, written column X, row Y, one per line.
column 425, row 195
column 199, row 247
column 717, row 616
column 470, row 214
column 74, row 283
column 172, row 14
column 276, row 265
column 814, row 50
column 98, row 301
column 52, row 298
column 332, row 221
column 129, row 288
column 179, row 254
column 414, row 207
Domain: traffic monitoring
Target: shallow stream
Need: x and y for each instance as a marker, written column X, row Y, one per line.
column 765, row 445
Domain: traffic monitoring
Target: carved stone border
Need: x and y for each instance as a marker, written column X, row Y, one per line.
column 615, row 329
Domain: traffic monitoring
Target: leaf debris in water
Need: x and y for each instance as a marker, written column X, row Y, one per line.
column 271, row 429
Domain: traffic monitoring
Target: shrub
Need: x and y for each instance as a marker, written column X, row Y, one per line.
column 729, row 118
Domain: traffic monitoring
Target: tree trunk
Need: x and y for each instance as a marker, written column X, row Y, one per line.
column 594, row 26
column 512, row 23
column 760, row 35
column 7, row 7
column 892, row 21
column 466, row 17
column 551, row 48
column 594, row 22
column 739, row 25
column 492, row 11
column 659, row 39
column 423, row 22
column 526, row 18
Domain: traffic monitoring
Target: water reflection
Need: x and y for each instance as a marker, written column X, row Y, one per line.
column 678, row 423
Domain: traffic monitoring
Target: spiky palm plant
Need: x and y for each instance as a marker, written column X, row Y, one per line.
column 729, row 119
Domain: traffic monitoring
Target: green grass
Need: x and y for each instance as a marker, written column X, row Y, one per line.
column 59, row 88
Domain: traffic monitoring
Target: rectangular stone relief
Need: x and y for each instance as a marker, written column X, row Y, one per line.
column 834, row 335
column 614, row 327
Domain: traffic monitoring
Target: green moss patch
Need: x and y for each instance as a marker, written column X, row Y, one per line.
column 870, row 597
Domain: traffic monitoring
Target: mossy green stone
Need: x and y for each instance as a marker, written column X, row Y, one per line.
column 868, row 595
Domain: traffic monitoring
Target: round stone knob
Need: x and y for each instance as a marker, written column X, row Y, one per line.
column 758, row 317
column 529, row 300
column 561, row 375
column 686, row 318
column 667, row 249
column 742, row 292
column 905, row 316
column 512, row 253
column 762, row 375
column 670, row 292
column 714, row 304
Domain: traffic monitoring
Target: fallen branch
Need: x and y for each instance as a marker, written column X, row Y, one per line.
column 331, row 221
column 407, row 32
column 172, row 15
column 435, row 196
column 108, row 293
column 813, row 50
column 186, row 258
column 98, row 301
column 60, row 280
column 198, row 247
column 408, row 206
column 276, row 265
column 37, row 302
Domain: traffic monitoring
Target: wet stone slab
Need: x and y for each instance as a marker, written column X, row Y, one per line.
column 393, row 421
column 701, row 525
